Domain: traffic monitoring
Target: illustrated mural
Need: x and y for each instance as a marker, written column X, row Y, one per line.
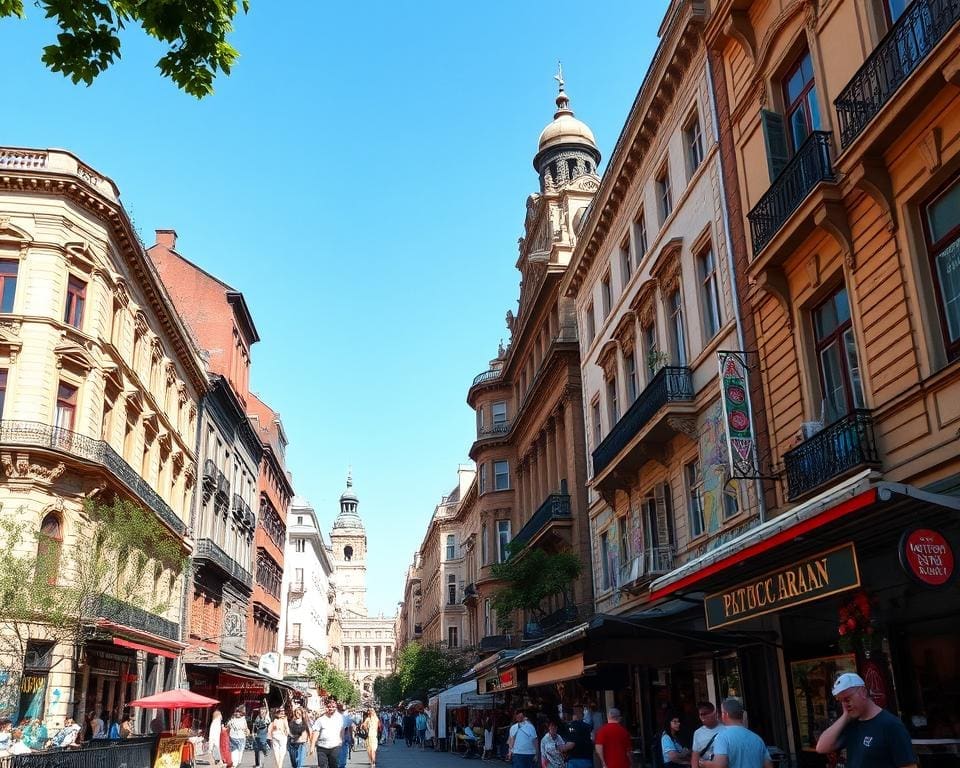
column 718, row 496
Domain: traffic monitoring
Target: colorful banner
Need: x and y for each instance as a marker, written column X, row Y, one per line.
column 737, row 414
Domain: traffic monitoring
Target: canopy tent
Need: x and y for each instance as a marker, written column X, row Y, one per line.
column 459, row 695
column 175, row 699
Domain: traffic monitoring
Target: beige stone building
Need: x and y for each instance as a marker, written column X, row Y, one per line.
column 100, row 384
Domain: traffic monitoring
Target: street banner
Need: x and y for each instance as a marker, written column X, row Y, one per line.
column 737, row 415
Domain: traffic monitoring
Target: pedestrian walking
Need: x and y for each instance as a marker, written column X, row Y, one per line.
column 261, row 723
column 421, row 729
column 488, row 740
column 279, row 734
column 238, row 732
column 551, row 747
column 213, row 736
column 736, row 746
column 613, row 744
column 327, row 735
column 522, row 742
column 299, row 737
column 372, row 727
column 706, row 734
column 872, row 736
column 346, row 738
column 409, row 728
column 675, row 755
column 579, row 744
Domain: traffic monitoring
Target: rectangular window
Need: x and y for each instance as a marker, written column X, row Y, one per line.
column 695, row 497
column 66, row 406
column 451, row 546
column 630, row 367
column 678, row 341
column 693, row 138
column 604, row 561
column 501, row 476
column 295, row 632
column 503, row 540
column 800, row 96
column 3, row 389
column 641, row 234
column 651, row 351
column 483, row 479
column 76, row 296
column 709, row 293
column 731, row 499
column 451, row 589
column 453, row 640
column 623, row 534
column 589, row 325
column 606, row 295
column 941, row 223
column 484, row 547
column 300, row 545
column 298, row 577
column 837, row 359
column 626, row 263
column 597, row 425
column 499, row 411
column 664, row 194
column 613, row 406
column 8, row 283
column 479, row 419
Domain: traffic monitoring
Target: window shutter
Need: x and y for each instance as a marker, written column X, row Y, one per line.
column 664, row 521
column 775, row 138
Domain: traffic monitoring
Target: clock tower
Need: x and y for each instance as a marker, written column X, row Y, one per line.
column 348, row 541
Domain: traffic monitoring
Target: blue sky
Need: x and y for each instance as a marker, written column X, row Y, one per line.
column 361, row 177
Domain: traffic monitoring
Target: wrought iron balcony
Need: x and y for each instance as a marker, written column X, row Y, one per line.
column 492, row 643
column 208, row 551
column 119, row 612
column 470, row 593
column 672, row 384
column 241, row 511
column 807, row 168
column 845, row 445
column 642, row 568
column 910, row 40
column 552, row 623
column 296, row 588
column 39, row 435
column 555, row 507
column 293, row 641
column 209, row 473
column 493, row 430
column 223, row 486
column 485, row 376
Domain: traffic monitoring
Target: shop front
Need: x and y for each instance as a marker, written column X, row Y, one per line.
column 234, row 686
column 858, row 581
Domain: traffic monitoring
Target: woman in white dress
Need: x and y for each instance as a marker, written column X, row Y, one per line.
column 213, row 736
column 239, row 730
column 277, row 735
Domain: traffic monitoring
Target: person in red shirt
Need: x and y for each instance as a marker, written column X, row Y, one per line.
column 613, row 743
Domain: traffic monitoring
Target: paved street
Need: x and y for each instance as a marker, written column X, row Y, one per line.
column 396, row 756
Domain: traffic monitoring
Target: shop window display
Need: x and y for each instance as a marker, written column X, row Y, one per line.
column 816, row 708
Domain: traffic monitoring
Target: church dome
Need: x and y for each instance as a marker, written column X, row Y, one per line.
column 348, row 517
column 565, row 128
column 567, row 148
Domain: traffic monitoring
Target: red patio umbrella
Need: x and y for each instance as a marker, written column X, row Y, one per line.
column 175, row 699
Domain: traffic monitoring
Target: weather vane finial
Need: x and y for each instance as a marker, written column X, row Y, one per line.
column 349, row 476
column 559, row 76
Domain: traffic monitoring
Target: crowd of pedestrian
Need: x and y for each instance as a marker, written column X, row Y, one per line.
column 33, row 734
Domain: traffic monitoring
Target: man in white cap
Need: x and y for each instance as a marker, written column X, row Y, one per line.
column 872, row 736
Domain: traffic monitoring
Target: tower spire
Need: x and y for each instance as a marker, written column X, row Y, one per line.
column 563, row 101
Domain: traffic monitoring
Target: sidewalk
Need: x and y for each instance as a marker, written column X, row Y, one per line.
column 399, row 755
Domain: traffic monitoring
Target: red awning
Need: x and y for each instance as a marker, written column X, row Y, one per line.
column 142, row 647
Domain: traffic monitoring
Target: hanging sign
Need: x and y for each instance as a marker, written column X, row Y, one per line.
column 737, row 415
column 503, row 680
column 927, row 557
column 824, row 574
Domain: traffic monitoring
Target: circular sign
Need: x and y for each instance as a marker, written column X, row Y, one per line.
column 739, row 421
column 927, row 557
column 736, row 394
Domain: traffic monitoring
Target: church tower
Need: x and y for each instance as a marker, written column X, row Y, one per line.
column 348, row 540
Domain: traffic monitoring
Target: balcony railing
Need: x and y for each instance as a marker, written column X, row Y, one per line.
column 241, row 511
column 671, row 384
column 846, row 444
column 119, row 612
column 40, row 435
column 910, row 40
column 552, row 623
column 555, row 507
column 293, row 641
column 208, row 551
column 808, row 167
column 492, row 430
column 223, row 486
column 485, row 376
column 643, row 567
column 296, row 588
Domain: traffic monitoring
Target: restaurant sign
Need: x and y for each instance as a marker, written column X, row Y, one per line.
column 927, row 557
column 810, row 579
column 503, row 680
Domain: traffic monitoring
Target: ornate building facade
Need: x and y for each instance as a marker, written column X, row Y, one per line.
column 99, row 400
column 368, row 642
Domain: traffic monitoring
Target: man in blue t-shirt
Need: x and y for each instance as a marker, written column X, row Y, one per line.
column 873, row 737
column 736, row 746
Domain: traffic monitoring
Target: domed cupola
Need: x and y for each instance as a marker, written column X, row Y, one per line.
column 348, row 517
column 567, row 148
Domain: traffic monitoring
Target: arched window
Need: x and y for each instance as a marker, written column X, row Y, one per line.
column 348, row 552
column 49, row 544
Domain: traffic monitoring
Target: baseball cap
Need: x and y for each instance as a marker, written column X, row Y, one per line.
column 847, row 680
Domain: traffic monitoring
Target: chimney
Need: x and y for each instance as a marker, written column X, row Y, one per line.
column 167, row 238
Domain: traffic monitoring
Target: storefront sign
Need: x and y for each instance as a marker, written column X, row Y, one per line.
column 927, row 557
column 168, row 752
column 242, row 684
column 501, row 681
column 810, row 579
column 737, row 416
